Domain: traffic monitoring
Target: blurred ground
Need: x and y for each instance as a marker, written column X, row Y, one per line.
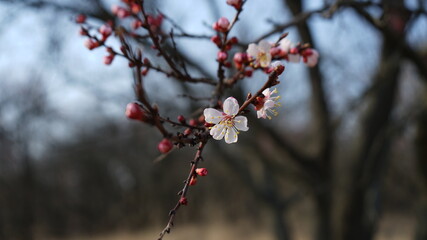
column 392, row 227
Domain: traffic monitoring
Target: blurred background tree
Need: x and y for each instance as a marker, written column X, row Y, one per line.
column 346, row 159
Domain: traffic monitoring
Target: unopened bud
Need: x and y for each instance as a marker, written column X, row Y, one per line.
column 183, row 201
column 221, row 25
column 81, row 18
column 134, row 111
column 193, row 181
column 202, row 171
column 222, row 56
column 165, row 146
column 193, row 122
column 181, row 119
column 217, row 40
column 237, row 4
column 108, row 59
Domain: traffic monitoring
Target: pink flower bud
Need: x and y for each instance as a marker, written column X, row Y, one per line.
column 193, row 122
column 237, row 4
column 240, row 58
column 134, row 111
column 222, row 56
column 81, row 18
column 248, row 73
column 91, row 44
column 105, row 30
column 193, row 181
column 221, row 25
column 183, row 201
column 144, row 71
column 202, row 171
column 108, row 59
column 165, row 146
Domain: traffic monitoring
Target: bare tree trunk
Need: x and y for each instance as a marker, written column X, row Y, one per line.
column 360, row 213
column 421, row 155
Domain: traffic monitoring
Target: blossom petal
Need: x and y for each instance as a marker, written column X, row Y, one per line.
column 231, row 136
column 252, row 50
column 269, row 104
column 264, row 46
column 266, row 93
column 231, row 106
column 241, row 123
column 261, row 114
column 218, row 131
column 312, row 59
column 212, row 115
column 294, row 58
column 285, row 45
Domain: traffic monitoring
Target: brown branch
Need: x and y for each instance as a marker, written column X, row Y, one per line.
column 183, row 192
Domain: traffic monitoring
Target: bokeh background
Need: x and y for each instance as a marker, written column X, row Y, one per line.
column 345, row 159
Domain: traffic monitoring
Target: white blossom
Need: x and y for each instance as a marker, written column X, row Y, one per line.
column 260, row 53
column 267, row 104
column 227, row 124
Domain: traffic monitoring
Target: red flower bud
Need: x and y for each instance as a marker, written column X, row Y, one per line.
column 217, row 40
column 193, row 122
column 193, row 181
column 144, row 71
column 165, row 146
column 91, row 44
column 237, row 4
column 183, row 201
column 134, row 111
column 222, row 56
column 81, row 18
column 108, row 59
column 248, row 73
column 181, row 119
column 105, row 30
column 221, row 25
column 202, row 171
column 233, row 40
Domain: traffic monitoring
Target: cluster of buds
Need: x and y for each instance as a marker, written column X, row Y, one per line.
column 120, row 12
column 199, row 172
column 262, row 54
column 221, row 25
